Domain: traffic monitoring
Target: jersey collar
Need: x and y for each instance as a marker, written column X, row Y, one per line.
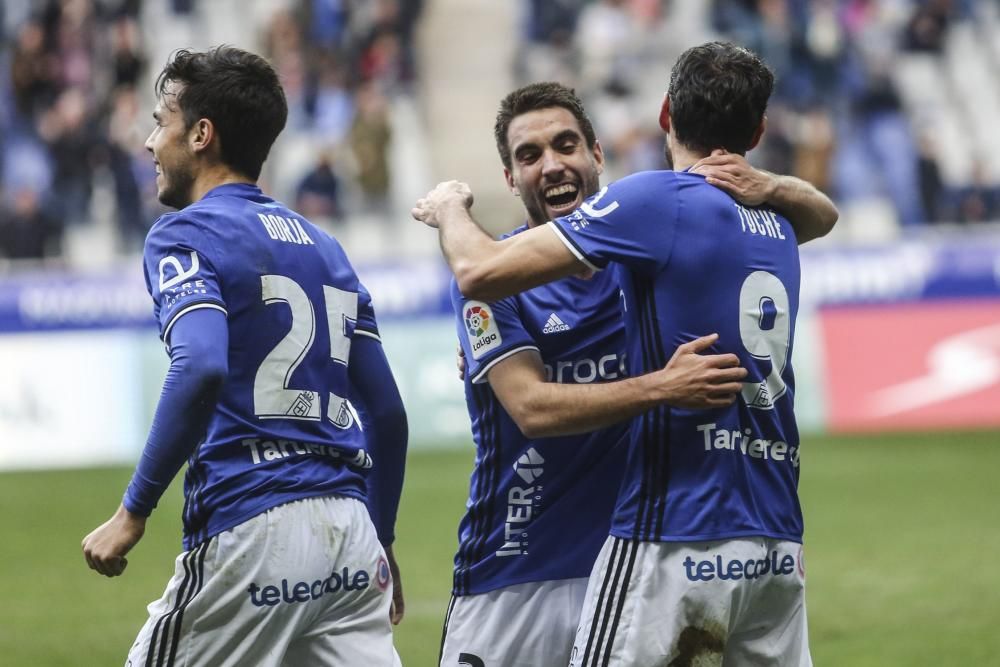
column 234, row 189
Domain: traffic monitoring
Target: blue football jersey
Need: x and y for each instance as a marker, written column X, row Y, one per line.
column 539, row 509
column 691, row 260
column 283, row 428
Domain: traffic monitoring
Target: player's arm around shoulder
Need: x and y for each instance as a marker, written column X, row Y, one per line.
column 690, row 379
column 812, row 213
column 485, row 269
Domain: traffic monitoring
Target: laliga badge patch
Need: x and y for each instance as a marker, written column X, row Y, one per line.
column 484, row 335
column 382, row 576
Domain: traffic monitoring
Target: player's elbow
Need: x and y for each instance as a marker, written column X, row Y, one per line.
column 531, row 427
column 532, row 421
column 828, row 219
column 476, row 281
column 208, row 377
column 824, row 219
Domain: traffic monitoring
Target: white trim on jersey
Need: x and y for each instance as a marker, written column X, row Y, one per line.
column 572, row 248
column 183, row 311
column 369, row 334
column 481, row 375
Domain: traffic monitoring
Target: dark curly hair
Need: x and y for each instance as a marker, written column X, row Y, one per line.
column 239, row 92
column 718, row 95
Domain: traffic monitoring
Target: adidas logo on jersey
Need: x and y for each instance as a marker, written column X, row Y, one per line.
column 554, row 324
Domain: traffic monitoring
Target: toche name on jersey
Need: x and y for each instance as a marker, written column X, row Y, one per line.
column 763, row 222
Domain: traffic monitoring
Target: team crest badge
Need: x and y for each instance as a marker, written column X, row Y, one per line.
column 382, row 575
column 481, row 326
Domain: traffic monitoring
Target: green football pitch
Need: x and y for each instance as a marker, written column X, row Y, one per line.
column 902, row 544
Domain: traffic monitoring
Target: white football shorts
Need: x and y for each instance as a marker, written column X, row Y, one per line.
column 524, row 625
column 732, row 602
column 305, row 583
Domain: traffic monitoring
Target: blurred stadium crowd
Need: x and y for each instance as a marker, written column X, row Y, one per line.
column 884, row 104
column 888, row 105
column 76, row 93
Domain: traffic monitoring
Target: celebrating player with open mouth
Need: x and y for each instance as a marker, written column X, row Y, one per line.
column 690, row 259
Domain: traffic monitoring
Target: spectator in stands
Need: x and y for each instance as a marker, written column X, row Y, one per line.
column 26, row 230
column 318, row 195
column 369, row 138
column 128, row 60
column 126, row 158
column 931, row 184
column 928, row 26
column 32, row 70
column 74, row 65
column 978, row 202
column 68, row 128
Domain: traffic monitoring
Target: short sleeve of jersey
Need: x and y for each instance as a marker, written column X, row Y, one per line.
column 180, row 266
column 366, row 325
column 488, row 332
column 630, row 221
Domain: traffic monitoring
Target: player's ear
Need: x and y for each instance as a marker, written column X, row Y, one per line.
column 665, row 114
column 758, row 134
column 509, row 177
column 201, row 134
column 599, row 157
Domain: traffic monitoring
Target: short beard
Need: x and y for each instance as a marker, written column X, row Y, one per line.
column 178, row 193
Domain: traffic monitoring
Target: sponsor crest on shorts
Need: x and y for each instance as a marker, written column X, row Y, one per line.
column 382, row 575
column 481, row 326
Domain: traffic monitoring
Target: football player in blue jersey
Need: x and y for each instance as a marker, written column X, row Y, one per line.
column 540, row 506
column 273, row 344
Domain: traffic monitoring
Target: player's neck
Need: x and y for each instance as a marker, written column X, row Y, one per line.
column 214, row 176
column 684, row 157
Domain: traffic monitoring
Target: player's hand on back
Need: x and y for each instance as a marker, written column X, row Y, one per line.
column 398, row 607
column 695, row 380
column 460, row 361
column 105, row 547
column 733, row 174
column 445, row 194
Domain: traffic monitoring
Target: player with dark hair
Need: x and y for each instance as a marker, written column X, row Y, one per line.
column 540, row 504
column 271, row 337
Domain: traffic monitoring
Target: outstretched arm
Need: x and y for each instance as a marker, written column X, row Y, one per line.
column 811, row 212
column 198, row 368
column 485, row 269
column 545, row 409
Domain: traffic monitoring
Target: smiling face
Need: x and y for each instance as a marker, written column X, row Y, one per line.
column 552, row 168
column 171, row 151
